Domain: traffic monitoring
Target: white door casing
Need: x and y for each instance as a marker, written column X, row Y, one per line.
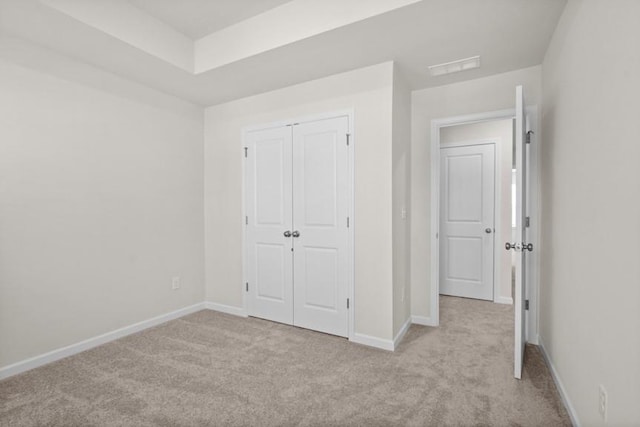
column 520, row 231
column 320, row 211
column 298, row 182
column 268, row 206
column 467, row 179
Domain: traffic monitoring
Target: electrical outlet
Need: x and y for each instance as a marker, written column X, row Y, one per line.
column 175, row 282
column 602, row 402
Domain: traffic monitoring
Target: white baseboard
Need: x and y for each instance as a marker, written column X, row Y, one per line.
column 372, row 341
column 503, row 300
column 70, row 350
column 401, row 333
column 228, row 309
column 423, row 320
column 563, row 391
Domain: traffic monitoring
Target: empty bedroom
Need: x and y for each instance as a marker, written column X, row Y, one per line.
column 319, row 212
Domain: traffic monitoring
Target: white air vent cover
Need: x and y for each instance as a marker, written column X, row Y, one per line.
column 455, row 66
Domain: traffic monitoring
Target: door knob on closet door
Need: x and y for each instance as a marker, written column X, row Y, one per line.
column 488, row 230
column 287, row 233
column 296, row 233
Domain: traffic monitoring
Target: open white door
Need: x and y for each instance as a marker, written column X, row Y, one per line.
column 520, row 245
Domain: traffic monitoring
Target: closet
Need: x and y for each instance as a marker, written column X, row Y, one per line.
column 297, row 198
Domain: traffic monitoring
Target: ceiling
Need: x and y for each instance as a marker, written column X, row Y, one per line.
column 329, row 37
column 197, row 18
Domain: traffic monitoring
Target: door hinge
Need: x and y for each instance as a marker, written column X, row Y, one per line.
column 246, row 220
column 347, row 222
column 348, row 137
column 246, row 149
column 247, row 286
column 347, row 302
column 528, row 138
column 527, row 221
column 526, row 304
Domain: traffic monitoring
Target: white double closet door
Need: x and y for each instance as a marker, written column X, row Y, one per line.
column 297, row 240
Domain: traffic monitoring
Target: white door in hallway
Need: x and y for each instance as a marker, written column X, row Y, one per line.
column 320, row 210
column 467, row 179
column 520, row 245
column 297, row 184
column 269, row 215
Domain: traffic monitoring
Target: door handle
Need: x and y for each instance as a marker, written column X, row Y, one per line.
column 487, row 230
column 518, row 247
column 287, row 233
column 296, row 233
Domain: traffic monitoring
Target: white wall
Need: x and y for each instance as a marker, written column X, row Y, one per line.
column 100, row 205
column 474, row 96
column 500, row 131
column 590, row 284
column 368, row 92
column 401, row 153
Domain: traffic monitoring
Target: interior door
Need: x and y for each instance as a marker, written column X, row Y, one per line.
column 320, row 236
column 268, row 206
column 467, row 221
column 519, row 245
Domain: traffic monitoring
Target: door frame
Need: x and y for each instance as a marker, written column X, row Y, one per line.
column 533, row 258
column 497, row 202
column 349, row 113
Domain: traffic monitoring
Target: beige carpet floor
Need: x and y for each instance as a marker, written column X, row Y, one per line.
column 214, row 369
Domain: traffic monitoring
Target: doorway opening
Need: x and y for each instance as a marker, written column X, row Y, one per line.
column 480, row 226
column 475, row 207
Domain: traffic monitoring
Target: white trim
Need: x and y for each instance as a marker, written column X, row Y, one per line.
column 351, row 206
column 370, row 341
column 503, row 300
column 573, row 415
column 228, row 309
column 70, row 350
column 302, row 119
column 423, row 320
column 349, row 113
column 534, row 231
column 401, row 333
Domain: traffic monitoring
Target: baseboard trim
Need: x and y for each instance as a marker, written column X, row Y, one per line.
column 561, row 389
column 423, row 320
column 503, row 300
column 228, row 309
column 370, row 341
column 70, row 350
column 401, row 333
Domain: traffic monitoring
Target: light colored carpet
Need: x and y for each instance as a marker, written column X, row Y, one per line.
column 214, row 369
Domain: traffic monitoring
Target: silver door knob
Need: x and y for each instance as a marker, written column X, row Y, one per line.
column 296, row 233
column 287, row 233
column 487, row 230
column 508, row 246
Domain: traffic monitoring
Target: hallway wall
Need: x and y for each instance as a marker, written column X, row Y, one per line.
column 590, row 284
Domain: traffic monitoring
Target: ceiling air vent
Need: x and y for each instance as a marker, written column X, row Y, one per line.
column 455, row 66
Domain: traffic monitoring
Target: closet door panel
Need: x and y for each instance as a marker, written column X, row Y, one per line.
column 268, row 205
column 320, row 209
